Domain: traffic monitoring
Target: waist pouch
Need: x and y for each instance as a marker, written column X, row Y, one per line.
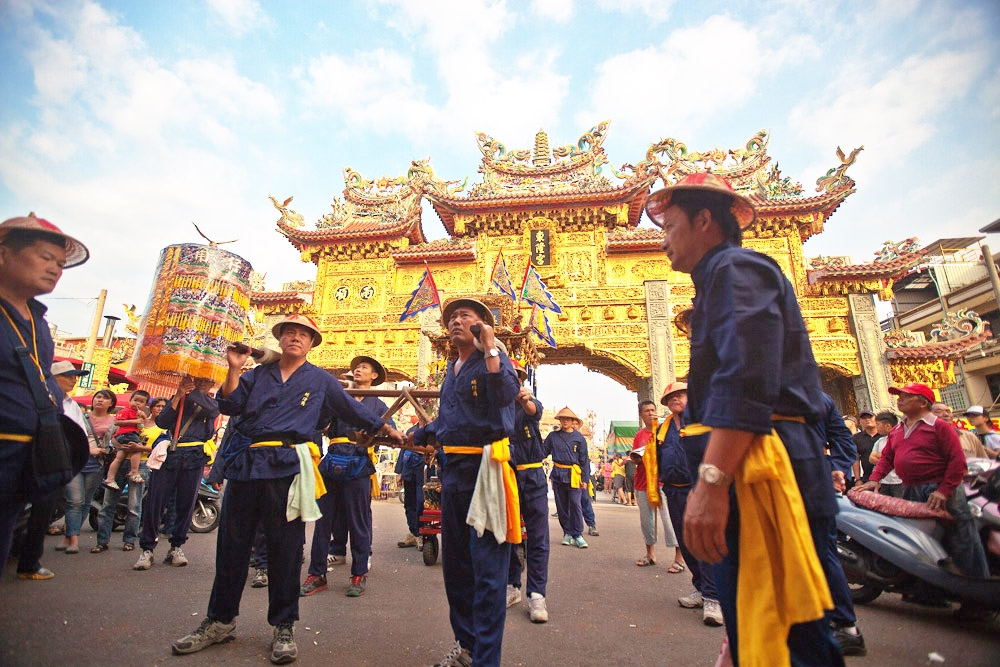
column 343, row 468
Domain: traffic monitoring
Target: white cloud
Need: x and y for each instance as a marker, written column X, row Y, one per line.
column 559, row 11
column 241, row 16
column 657, row 10
column 892, row 115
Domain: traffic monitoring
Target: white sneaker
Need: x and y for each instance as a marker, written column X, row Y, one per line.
column 513, row 596
column 712, row 614
column 331, row 561
column 536, row 608
column 176, row 557
column 145, row 560
column 692, row 601
column 208, row 633
column 369, row 563
column 457, row 657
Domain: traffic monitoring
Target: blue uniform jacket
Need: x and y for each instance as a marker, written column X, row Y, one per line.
column 831, row 430
column 751, row 359
column 567, row 448
column 476, row 409
column 296, row 411
column 18, row 414
column 341, row 429
column 201, row 429
column 526, row 447
column 673, row 459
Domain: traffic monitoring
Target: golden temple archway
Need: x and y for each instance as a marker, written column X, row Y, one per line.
column 575, row 219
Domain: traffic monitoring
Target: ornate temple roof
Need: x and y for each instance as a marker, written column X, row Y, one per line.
column 893, row 261
column 631, row 240
column 952, row 339
column 288, row 296
column 442, row 250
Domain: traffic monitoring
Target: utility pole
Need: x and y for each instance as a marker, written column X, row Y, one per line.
column 95, row 325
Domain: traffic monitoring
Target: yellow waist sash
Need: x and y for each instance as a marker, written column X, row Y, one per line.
column 780, row 582
column 313, row 452
column 462, row 450
column 529, row 466
column 339, row 440
column 191, row 444
column 16, row 437
column 500, row 451
column 575, row 473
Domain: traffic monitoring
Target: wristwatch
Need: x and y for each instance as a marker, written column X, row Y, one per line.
column 713, row 475
column 492, row 352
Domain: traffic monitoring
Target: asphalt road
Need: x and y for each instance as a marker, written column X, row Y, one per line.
column 603, row 611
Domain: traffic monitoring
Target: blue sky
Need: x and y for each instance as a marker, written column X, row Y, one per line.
column 122, row 122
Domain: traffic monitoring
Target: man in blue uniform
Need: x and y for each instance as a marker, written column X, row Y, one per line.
column 410, row 473
column 570, row 475
column 181, row 472
column 526, row 455
column 282, row 405
column 347, row 469
column 752, row 373
column 33, row 254
column 476, row 410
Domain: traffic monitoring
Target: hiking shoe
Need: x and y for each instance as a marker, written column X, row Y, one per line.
column 592, row 531
column 711, row 614
column 357, row 587
column 314, row 584
column 513, row 596
column 579, row 542
column 567, row 540
column 692, row 601
column 176, row 557
column 145, row 560
column 536, row 608
column 259, row 579
column 209, row 632
column 332, row 561
column 851, row 643
column 457, row 657
column 409, row 541
column 41, row 574
column 283, row 648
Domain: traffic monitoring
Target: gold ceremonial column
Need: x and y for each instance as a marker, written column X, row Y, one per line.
column 659, row 322
column 871, row 388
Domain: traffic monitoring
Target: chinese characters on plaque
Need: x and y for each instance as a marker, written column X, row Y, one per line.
column 540, row 247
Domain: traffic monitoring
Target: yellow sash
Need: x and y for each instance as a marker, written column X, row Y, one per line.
column 776, row 548
column 500, row 451
column 462, row 450
column 16, row 437
column 313, row 452
column 529, row 466
column 575, row 473
column 652, row 467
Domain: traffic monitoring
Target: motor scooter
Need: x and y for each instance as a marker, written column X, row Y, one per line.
column 884, row 553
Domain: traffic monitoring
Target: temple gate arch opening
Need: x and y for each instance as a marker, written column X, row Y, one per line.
column 566, row 218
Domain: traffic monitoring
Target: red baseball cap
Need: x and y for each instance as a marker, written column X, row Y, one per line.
column 914, row 388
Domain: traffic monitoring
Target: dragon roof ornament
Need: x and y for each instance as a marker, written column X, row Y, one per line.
column 957, row 333
column 564, row 168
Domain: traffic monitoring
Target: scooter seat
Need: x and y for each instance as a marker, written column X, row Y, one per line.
column 906, row 509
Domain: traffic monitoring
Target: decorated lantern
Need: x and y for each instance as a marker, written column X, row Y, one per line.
column 197, row 307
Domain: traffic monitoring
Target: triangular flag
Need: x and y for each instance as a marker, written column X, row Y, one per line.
column 540, row 326
column 533, row 290
column 425, row 296
column 501, row 278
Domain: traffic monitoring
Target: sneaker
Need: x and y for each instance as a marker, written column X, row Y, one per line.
column 369, row 563
column 283, row 648
column 592, row 531
column 409, row 541
column 536, row 608
column 259, row 579
column 176, row 557
column 314, row 584
column 567, row 540
column 208, row 633
column 513, row 596
column 711, row 614
column 145, row 560
column 357, row 587
column 332, row 561
column 457, row 657
column 579, row 542
column 692, row 601
column 851, row 643
column 41, row 574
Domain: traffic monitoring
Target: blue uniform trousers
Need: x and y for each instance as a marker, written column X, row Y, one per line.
column 244, row 505
column 535, row 512
column 569, row 508
column 475, row 580
column 14, row 489
column 43, row 506
column 587, row 507
column 162, row 484
column 810, row 644
column 413, row 500
column 702, row 574
column 842, row 613
column 260, row 548
column 347, row 507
